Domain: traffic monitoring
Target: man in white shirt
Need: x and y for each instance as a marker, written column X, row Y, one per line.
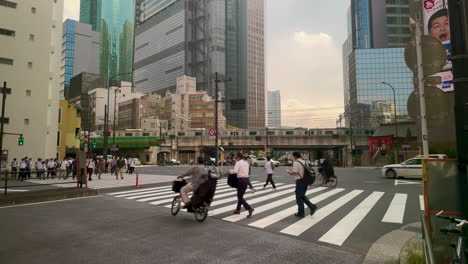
column 40, row 169
column 51, row 168
column 301, row 187
column 242, row 170
column 269, row 170
column 90, row 166
column 22, row 167
column 14, row 168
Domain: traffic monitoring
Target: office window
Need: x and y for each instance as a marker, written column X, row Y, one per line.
column 30, row 64
column 33, row 10
column 7, row 3
column 31, row 37
column 6, row 61
column 26, row 121
column 28, row 92
column 58, row 138
column 7, row 32
column 60, row 116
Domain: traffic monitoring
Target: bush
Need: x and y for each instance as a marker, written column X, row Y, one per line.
column 415, row 254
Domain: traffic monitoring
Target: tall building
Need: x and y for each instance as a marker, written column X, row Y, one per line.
column 174, row 38
column 114, row 19
column 80, row 50
column 245, row 63
column 373, row 53
column 274, row 109
column 30, row 63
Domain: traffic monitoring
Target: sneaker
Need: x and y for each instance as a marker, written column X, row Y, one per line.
column 313, row 209
column 299, row 215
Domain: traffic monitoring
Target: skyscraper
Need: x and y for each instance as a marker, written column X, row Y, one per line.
column 372, row 54
column 114, row 19
column 176, row 38
column 274, row 109
column 30, row 63
column 245, row 63
column 80, row 50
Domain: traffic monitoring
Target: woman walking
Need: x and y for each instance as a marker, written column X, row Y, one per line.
column 100, row 168
column 269, row 166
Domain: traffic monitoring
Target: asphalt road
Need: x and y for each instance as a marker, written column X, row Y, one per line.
column 111, row 229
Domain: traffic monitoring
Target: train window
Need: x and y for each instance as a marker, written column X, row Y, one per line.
column 311, row 132
column 181, row 134
column 198, row 133
column 128, row 134
column 328, row 132
column 146, row 134
column 252, row 133
column 289, row 132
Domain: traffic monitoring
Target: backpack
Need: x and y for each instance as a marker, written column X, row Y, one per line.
column 309, row 174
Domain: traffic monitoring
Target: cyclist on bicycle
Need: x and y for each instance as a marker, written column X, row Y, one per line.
column 199, row 175
column 327, row 171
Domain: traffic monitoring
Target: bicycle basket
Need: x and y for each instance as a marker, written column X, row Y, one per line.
column 177, row 185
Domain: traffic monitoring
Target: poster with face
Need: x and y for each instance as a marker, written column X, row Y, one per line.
column 436, row 24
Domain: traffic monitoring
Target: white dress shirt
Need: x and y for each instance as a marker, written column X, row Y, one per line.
column 241, row 169
column 297, row 167
column 268, row 167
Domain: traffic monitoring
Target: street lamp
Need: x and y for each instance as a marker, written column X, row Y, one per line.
column 396, row 121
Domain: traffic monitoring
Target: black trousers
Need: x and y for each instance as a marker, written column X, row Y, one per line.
column 270, row 180
column 90, row 174
column 241, row 187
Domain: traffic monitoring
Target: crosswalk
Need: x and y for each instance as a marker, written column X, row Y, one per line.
column 274, row 209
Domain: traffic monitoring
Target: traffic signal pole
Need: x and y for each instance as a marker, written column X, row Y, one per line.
column 459, row 39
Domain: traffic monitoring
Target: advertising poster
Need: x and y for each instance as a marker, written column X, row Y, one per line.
column 436, row 24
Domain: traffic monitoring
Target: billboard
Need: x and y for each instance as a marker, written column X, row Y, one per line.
column 436, row 24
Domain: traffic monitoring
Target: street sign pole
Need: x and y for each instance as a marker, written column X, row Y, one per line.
column 459, row 41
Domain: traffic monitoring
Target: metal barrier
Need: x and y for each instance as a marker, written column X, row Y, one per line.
column 21, row 179
column 427, row 242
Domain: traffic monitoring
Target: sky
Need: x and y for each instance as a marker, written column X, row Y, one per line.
column 303, row 45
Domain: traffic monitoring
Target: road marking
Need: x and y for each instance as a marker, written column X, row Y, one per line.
column 164, row 191
column 396, row 210
column 341, row 231
column 226, row 194
column 253, row 201
column 400, row 182
column 56, row 201
column 14, row 190
column 135, row 191
column 227, row 200
column 309, row 221
column 235, row 218
column 152, row 194
column 421, row 202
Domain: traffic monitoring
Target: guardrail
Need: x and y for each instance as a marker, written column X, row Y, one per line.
column 21, row 179
column 427, row 242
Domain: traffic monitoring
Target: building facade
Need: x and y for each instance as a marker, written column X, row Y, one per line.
column 372, row 54
column 245, row 63
column 176, row 38
column 274, row 109
column 114, row 19
column 69, row 126
column 132, row 112
column 80, row 50
column 30, row 63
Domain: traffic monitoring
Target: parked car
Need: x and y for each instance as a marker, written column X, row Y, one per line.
column 411, row 168
column 173, row 162
column 136, row 161
column 260, row 162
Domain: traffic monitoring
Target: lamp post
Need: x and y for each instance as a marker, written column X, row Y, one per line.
column 396, row 120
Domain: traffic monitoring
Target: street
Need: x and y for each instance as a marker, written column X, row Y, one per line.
column 131, row 225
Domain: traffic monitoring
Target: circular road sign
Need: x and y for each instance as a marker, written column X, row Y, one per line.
column 212, row 132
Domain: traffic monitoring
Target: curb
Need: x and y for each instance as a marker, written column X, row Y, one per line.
column 390, row 247
column 45, row 195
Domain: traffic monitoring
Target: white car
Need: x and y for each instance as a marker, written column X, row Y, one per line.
column 411, row 168
column 260, row 162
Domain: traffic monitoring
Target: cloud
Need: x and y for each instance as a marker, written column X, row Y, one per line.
column 307, row 69
column 71, row 10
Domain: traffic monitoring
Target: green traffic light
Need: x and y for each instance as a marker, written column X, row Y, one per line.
column 20, row 141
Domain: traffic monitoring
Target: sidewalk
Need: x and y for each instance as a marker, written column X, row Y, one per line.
column 390, row 248
column 109, row 181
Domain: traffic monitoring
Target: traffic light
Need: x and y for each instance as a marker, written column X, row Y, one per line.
column 94, row 145
column 21, row 141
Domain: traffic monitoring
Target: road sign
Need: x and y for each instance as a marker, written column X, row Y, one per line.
column 212, row 133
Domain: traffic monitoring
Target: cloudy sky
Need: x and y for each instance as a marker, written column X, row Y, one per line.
column 304, row 39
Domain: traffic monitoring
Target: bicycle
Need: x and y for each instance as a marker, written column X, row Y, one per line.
column 200, row 213
column 330, row 182
column 458, row 241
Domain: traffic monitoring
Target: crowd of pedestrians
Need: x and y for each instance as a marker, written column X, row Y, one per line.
column 43, row 169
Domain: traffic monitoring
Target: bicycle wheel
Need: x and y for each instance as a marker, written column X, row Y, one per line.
column 175, row 207
column 332, row 182
column 201, row 213
column 320, row 180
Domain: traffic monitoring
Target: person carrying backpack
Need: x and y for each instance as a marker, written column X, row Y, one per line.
column 302, row 182
column 269, row 166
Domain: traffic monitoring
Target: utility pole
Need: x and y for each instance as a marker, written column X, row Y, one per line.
column 4, row 93
column 422, row 97
column 459, row 40
column 217, row 81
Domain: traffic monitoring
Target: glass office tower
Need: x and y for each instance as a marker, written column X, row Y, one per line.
column 115, row 20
